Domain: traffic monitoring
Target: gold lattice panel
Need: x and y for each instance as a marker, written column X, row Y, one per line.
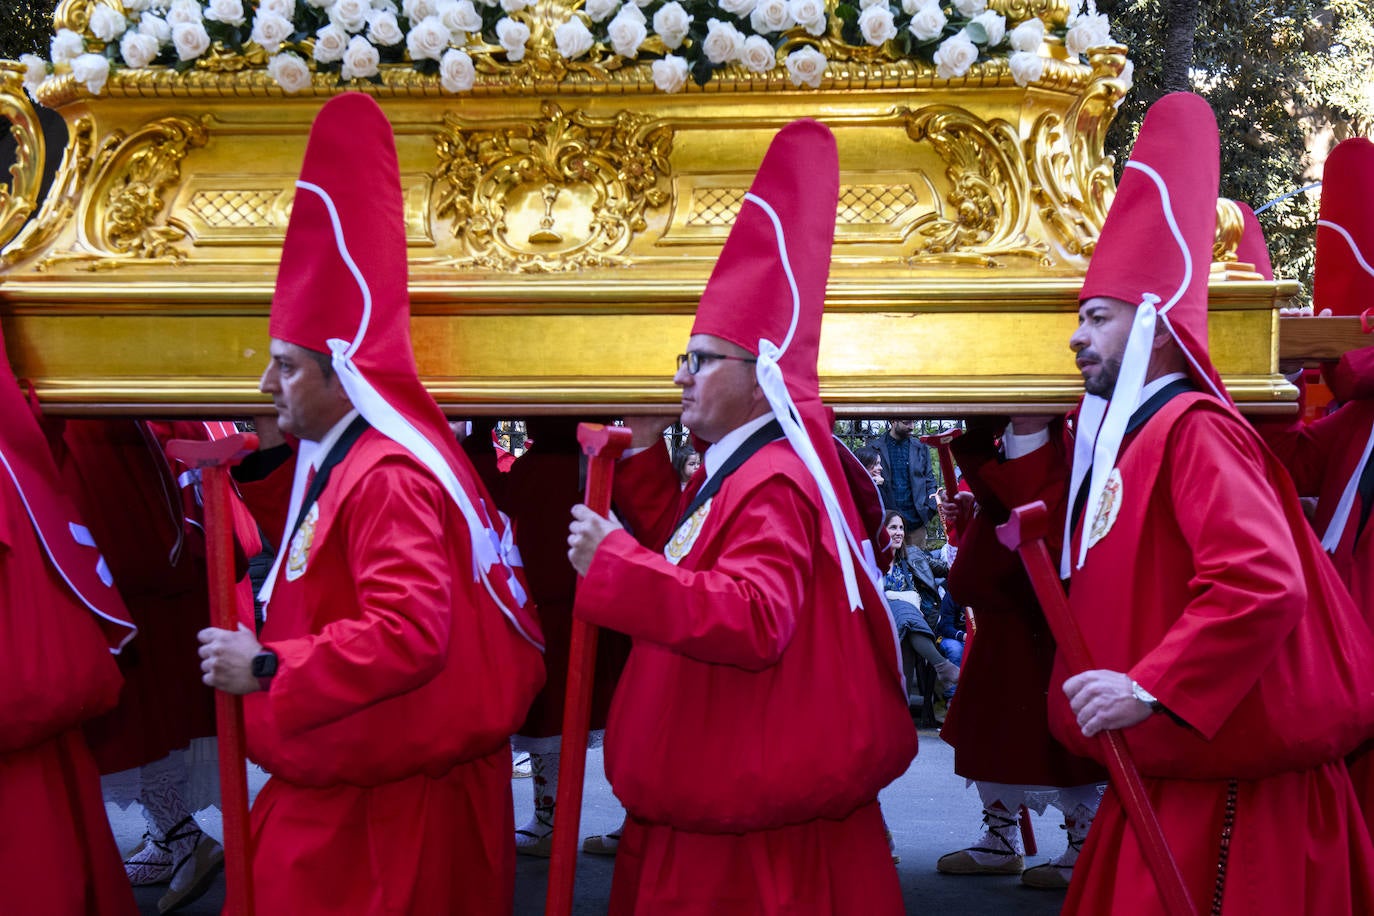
column 715, row 206
column 233, row 208
column 874, row 204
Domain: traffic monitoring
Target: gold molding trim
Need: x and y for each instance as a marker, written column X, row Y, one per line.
column 26, row 173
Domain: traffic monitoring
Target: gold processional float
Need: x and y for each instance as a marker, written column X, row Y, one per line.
column 564, row 213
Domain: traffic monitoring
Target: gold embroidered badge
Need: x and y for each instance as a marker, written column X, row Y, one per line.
column 299, row 555
column 686, row 535
column 1106, row 513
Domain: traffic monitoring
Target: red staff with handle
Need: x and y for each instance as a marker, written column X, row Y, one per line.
column 1025, row 533
column 602, row 445
column 941, row 442
column 214, row 458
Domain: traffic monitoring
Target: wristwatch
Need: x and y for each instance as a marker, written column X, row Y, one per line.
column 264, row 668
column 1144, row 696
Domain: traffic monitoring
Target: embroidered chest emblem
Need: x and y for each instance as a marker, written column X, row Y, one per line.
column 686, row 535
column 1106, row 513
column 299, row 555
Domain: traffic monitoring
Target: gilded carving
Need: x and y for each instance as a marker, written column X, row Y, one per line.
column 1230, row 228
column 562, row 193
column 63, row 197
column 19, row 200
column 1072, row 178
column 126, row 214
column 983, row 212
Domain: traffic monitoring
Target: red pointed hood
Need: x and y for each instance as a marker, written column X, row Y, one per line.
column 1253, row 249
column 767, row 295
column 1344, row 278
column 341, row 289
column 26, row 460
column 1156, row 251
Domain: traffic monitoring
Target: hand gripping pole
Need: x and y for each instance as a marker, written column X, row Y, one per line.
column 602, row 445
column 1025, row 533
column 214, row 458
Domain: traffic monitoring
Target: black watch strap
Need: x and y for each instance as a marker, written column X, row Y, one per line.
column 264, row 667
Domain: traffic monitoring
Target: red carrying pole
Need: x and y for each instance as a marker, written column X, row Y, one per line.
column 1025, row 533
column 602, row 445
column 214, row 458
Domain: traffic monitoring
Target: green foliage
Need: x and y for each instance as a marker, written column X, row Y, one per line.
column 1286, row 78
column 25, row 28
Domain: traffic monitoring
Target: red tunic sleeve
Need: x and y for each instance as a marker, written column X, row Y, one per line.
column 1306, row 448
column 1247, row 591
column 647, row 496
column 739, row 610
column 400, row 565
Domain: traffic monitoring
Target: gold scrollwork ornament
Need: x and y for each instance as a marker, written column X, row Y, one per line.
column 20, row 199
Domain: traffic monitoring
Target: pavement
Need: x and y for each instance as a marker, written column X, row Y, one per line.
column 929, row 810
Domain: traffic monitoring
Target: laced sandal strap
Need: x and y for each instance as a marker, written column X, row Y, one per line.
column 184, row 829
column 996, row 823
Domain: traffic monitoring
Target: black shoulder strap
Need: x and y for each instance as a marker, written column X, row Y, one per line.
column 765, row 434
column 1142, row 413
column 336, row 454
column 1366, row 490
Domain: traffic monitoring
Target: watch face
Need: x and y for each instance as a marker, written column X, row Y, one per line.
column 264, row 664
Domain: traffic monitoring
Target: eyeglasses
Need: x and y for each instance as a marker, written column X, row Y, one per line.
column 695, row 358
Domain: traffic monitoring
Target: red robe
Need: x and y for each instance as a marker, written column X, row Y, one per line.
column 1207, row 587
column 386, row 725
column 57, row 855
column 757, row 717
column 145, row 514
column 998, row 722
column 1322, row 457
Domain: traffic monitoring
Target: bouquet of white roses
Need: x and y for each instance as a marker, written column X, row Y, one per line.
column 682, row 38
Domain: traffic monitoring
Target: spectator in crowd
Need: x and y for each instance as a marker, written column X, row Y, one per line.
column 686, row 460
column 910, row 586
column 909, row 486
column 872, row 460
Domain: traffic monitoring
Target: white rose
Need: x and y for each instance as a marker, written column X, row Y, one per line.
column 289, row 70
column 771, row 16
column 229, row 12
column 386, row 6
column 994, row 27
column 865, row 4
column 809, row 14
column 156, row 26
column 415, row 10
column 270, row 30
column 91, row 69
column 460, row 17
column 1026, row 67
column 758, row 55
column 184, row 12
column 672, row 22
column 599, row 10
column 35, row 71
column 970, row 8
column 456, row 72
column 330, row 43
column 159, row 5
column 954, row 56
column 1028, row 36
column 383, row 30
column 670, row 73
column 360, row 59
column 1087, row 31
column 642, row 3
column 723, row 42
column 351, row 15
column 627, row 31
column 740, row 8
column 190, row 39
column 628, row 10
column 928, row 22
column 877, row 26
column 428, row 39
column 806, row 67
column 107, row 24
column 138, row 49
column 66, row 46
column 513, row 6
column 573, row 38
column 136, row 6
column 286, row 9
column 512, row 36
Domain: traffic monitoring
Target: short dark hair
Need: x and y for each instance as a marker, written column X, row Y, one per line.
column 323, row 360
column 868, row 456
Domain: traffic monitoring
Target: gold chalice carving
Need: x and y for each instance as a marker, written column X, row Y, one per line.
column 545, row 233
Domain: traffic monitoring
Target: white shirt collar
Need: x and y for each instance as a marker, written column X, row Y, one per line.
column 719, row 452
column 335, row 433
column 1151, row 388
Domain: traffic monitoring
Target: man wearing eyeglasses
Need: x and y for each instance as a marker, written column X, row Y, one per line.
column 761, row 708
